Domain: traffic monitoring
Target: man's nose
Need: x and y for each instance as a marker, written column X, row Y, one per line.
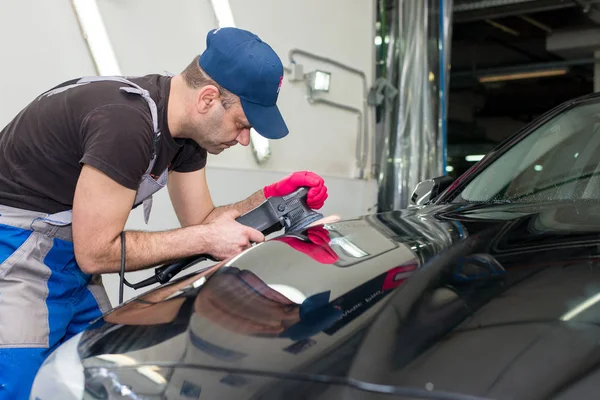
column 244, row 137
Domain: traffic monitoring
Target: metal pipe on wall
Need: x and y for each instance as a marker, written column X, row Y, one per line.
column 362, row 149
column 360, row 135
column 414, row 124
column 445, row 39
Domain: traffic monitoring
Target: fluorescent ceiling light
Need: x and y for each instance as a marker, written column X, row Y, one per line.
column 223, row 13
column 522, row 75
column 378, row 40
column 197, row 283
column 474, row 158
column 260, row 145
column 97, row 39
column 150, row 372
column 119, row 359
column 449, row 168
column 350, row 248
column 502, row 27
column 581, row 308
column 291, row 293
column 420, row 199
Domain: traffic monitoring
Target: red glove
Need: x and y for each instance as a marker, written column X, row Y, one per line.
column 317, row 193
column 318, row 246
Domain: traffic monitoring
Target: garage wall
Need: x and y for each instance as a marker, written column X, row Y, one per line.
column 154, row 36
column 41, row 45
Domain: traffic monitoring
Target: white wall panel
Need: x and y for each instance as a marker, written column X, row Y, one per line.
column 41, row 46
column 151, row 36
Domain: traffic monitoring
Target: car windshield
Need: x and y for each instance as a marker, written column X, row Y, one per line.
column 560, row 160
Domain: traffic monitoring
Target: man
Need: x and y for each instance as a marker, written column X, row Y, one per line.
column 76, row 160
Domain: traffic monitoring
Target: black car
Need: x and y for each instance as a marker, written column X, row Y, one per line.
column 486, row 287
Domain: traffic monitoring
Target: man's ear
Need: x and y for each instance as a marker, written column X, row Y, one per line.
column 207, row 96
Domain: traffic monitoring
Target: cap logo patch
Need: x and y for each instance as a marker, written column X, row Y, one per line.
column 280, row 83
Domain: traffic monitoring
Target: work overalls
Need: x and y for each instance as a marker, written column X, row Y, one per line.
column 45, row 298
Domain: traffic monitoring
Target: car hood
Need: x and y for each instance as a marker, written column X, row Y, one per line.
column 485, row 300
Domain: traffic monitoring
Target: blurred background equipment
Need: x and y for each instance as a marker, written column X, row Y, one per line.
column 507, row 62
column 512, row 61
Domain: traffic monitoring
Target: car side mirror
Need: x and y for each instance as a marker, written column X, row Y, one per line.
column 429, row 190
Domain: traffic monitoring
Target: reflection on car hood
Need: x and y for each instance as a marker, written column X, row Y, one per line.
column 499, row 301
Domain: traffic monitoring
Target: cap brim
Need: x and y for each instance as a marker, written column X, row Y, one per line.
column 266, row 120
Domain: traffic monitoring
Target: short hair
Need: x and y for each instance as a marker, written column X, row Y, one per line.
column 195, row 77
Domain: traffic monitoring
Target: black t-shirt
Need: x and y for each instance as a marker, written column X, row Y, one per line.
column 43, row 148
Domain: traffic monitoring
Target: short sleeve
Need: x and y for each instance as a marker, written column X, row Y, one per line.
column 190, row 158
column 118, row 140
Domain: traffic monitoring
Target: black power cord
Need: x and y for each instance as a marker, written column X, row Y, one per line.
column 290, row 212
column 122, row 274
column 161, row 275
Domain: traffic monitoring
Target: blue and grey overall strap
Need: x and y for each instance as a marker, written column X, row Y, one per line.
column 136, row 89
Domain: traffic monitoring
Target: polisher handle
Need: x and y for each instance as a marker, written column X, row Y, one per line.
column 290, row 212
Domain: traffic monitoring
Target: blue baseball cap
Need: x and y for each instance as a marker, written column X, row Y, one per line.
column 242, row 63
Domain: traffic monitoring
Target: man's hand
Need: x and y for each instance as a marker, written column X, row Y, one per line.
column 317, row 193
column 225, row 237
column 100, row 210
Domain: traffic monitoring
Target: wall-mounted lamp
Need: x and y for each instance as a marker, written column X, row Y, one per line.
column 96, row 37
column 318, row 81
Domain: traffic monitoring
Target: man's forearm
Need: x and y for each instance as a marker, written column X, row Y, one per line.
column 242, row 207
column 143, row 250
